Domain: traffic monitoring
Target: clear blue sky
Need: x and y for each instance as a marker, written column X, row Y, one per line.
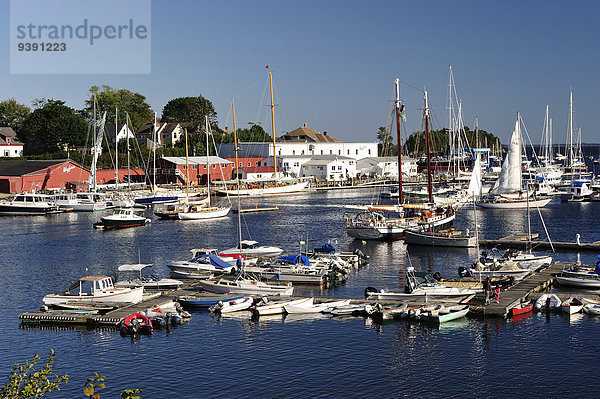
column 334, row 62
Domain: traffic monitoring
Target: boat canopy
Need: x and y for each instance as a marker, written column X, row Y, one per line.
column 295, row 259
column 136, row 267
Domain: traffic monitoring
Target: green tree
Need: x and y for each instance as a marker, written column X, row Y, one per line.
column 386, row 143
column 190, row 109
column 13, row 114
column 24, row 383
column 109, row 99
column 51, row 128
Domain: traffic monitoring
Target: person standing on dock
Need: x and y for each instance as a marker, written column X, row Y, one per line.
column 498, row 294
column 487, row 288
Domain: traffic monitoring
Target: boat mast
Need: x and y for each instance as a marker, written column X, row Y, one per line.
column 569, row 144
column 116, row 148
column 273, row 125
column 429, row 183
column 154, row 155
column 399, row 108
column 451, row 121
column 128, row 163
column 207, row 160
column 187, row 168
column 237, row 173
column 93, row 170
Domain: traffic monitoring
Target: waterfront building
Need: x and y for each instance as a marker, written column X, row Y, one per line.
column 173, row 170
column 387, row 167
column 21, row 175
column 10, row 146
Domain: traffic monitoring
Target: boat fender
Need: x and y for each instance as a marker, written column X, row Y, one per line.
column 369, row 290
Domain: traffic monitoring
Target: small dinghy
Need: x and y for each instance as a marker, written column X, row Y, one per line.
column 346, row 310
column 275, row 308
column 548, row 301
column 572, row 306
column 324, row 307
column 231, row 306
column 593, row 309
column 136, row 323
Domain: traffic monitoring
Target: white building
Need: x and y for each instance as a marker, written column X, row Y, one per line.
column 9, row 145
column 302, row 142
column 329, row 168
column 260, row 173
column 167, row 134
column 122, row 133
column 387, row 167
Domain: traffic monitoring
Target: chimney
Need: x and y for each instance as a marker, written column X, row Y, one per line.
column 324, row 133
column 305, row 125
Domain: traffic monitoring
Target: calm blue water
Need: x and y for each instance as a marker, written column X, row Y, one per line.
column 540, row 356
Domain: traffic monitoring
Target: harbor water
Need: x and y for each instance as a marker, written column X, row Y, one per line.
column 537, row 356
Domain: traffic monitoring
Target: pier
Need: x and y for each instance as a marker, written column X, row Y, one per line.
column 520, row 241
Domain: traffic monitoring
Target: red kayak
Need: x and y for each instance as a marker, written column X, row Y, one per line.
column 522, row 308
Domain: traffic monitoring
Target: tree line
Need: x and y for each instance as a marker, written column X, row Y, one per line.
column 439, row 141
column 49, row 129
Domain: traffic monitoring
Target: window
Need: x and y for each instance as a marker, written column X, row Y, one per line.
column 348, row 152
column 214, row 166
column 257, row 163
column 249, row 164
column 330, row 152
column 351, row 163
column 321, row 152
column 302, row 152
column 296, row 164
column 356, row 152
column 339, row 152
column 339, row 167
column 241, row 164
column 293, row 152
column 369, row 151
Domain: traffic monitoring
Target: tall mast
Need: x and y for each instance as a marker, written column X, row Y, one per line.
column 399, row 108
column 128, row 164
column 187, row 168
column 117, row 148
column 451, row 121
column 273, row 125
column 569, row 144
column 429, row 183
column 477, row 132
column 237, row 172
column 207, row 159
column 93, row 170
column 154, row 155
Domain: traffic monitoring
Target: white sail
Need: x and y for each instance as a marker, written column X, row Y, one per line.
column 475, row 187
column 509, row 180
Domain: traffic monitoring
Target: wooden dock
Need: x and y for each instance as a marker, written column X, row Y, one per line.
column 530, row 288
column 520, row 241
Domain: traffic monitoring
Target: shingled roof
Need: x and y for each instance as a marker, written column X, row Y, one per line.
column 6, row 132
column 306, row 135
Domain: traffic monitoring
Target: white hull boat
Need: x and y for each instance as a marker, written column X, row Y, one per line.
column 102, row 290
column 250, row 249
column 316, row 308
column 548, row 301
column 278, row 307
column 203, row 213
column 232, row 306
column 572, row 306
column 593, row 283
column 246, row 287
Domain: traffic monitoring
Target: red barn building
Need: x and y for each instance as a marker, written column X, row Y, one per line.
column 247, row 162
column 17, row 176
column 172, row 170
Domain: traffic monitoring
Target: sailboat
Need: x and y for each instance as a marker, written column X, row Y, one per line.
column 375, row 222
column 242, row 284
column 508, row 192
column 194, row 211
column 278, row 187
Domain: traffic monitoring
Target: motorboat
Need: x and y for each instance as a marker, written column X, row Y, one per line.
column 322, row 307
column 151, row 282
column 122, row 218
column 581, row 282
column 203, row 263
column 421, row 287
column 246, row 286
column 445, row 314
column 93, row 289
column 250, row 248
column 28, row 204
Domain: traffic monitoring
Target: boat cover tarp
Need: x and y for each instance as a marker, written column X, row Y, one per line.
column 326, row 248
column 133, row 268
column 216, row 261
column 295, row 259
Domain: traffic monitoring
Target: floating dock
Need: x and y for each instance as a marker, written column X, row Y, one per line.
column 520, row 241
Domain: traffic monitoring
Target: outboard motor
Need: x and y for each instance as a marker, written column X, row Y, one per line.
column 462, row 271
column 369, row 290
column 437, row 276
